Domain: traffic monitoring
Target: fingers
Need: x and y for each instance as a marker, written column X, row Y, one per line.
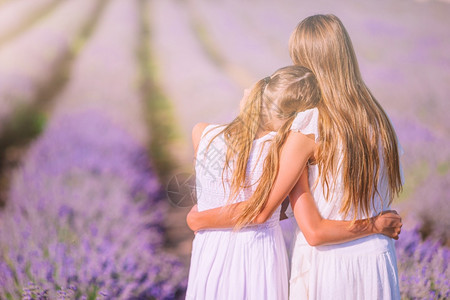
column 395, row 221
column 392, row 216
column 393, row 232
column 397, row 233
column 392, row 211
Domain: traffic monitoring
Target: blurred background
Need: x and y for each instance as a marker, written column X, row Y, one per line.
column 97, row 102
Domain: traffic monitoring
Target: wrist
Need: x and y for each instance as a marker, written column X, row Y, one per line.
column 192, row 221
column 373, row 227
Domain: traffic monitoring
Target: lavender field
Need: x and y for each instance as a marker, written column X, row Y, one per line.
column 97, row 101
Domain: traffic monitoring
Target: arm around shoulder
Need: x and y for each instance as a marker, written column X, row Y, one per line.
column 319, row 231
column 295, row 153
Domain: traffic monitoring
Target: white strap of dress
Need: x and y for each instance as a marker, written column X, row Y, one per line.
column 306, row 122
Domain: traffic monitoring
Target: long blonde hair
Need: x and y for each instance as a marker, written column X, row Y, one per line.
column 289, row 90
column 349, row 116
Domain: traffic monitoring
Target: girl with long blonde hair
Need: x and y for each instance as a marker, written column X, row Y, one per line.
column 356, row 173
column 244, row 170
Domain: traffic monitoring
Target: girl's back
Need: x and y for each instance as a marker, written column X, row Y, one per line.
column 247, row 264
column 365, row 268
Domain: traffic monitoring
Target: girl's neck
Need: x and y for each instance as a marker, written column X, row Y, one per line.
column 260, row 133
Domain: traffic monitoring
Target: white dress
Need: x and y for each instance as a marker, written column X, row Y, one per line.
column 362, row 269
column 248, row 264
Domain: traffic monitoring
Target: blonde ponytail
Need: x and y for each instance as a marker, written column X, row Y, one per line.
column 288, row 91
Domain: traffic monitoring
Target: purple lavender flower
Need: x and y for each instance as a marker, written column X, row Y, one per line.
column 423, row 267
column 90, row 214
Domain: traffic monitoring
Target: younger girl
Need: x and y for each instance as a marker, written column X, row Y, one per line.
column 240, row 162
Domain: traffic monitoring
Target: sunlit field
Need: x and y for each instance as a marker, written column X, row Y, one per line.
column 97, row 102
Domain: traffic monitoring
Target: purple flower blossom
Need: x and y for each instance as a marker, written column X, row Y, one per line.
column 423, row 267
column 90, row 207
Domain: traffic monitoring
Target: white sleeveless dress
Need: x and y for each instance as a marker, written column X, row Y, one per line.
column 362, row 269
column 248, row 264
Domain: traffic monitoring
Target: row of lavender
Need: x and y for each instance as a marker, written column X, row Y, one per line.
column 423, row 252
column 245, row 35
column 84, row 218
column 15, row 15
column 29, row 62
column 198, row 88
column 85, row 209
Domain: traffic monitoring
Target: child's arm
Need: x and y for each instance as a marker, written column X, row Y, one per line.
column 294, row 155
column 319, row 231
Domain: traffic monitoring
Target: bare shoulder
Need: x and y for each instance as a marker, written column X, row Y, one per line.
column 197, row 132
column 299, row 142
